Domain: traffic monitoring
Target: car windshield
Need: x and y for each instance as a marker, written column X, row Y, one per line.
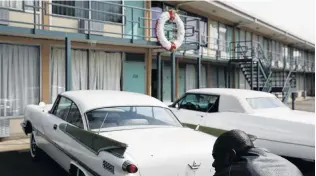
column 130, row 116
column 265, row 102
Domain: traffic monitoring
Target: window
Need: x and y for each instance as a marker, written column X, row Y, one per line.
column 60, row 8
column 19, row 78
column 265, row 102
column 63, row 107
column 199, row 102
column 100, row 10
column 74, row 116
column 14, row 4
column 115, row 11
column 131, row 116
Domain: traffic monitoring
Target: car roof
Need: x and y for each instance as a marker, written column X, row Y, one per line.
column 87, row 100
column 238, row 93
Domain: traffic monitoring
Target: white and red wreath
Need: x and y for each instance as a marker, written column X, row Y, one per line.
column 160, row 30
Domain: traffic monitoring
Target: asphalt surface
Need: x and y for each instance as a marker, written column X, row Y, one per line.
column 19, row 162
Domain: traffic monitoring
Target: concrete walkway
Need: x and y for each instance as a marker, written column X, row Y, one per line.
column 305, row 105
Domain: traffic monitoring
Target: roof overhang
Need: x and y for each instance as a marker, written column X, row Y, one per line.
column 228, row 13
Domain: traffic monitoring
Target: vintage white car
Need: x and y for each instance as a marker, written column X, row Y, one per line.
column 281, row 130
column 102, row 133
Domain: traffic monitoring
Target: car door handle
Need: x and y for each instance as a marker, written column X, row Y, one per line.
column 55, row 126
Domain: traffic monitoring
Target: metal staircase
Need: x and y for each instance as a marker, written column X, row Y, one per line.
column 256, row 67
column 253, row 63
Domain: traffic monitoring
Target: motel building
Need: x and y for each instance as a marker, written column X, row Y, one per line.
column 48, row 47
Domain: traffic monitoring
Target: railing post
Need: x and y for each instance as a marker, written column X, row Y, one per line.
column 68, row 63
column 89, row 20
column 198, row 75
column 159, row 77
column 34, row 17
column 258, row 86
column 251, row 75
column 132, row 16
column 173, row 75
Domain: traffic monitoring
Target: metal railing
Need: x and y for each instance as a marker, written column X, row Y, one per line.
column 102, row 19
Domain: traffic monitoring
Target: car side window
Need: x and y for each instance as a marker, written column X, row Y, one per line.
column 200, row 102
column 74, row 116
column 62, row 108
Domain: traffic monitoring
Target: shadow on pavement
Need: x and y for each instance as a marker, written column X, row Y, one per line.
column 19, row 163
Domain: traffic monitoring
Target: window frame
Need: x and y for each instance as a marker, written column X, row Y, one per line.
column 89, row 17
column 185, row 95
column 55, row 106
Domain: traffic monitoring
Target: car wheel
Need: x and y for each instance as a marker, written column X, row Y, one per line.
column 35, row 151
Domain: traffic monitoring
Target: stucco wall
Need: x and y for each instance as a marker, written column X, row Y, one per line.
column 22, row 17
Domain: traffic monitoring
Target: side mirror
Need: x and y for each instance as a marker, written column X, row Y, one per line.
column 177, row 106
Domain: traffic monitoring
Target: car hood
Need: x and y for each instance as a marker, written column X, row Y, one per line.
column 287, row 114
column 156, row 149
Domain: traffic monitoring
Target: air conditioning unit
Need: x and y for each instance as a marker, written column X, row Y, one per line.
column 4, row 15
column 96, row 28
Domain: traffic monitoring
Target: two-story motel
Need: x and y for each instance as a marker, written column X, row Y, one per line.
column 47, row 47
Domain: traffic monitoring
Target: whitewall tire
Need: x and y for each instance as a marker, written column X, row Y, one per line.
column 35, row 151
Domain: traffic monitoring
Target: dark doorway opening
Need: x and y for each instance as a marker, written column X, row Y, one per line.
column 154, row 83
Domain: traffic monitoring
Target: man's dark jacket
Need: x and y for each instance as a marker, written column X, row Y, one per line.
column 258, row 162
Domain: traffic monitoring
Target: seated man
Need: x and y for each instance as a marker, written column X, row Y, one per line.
column 235, row 155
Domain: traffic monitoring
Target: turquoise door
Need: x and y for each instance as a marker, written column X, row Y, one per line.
column 134, row 76
column 138, row 18
column 181, row 81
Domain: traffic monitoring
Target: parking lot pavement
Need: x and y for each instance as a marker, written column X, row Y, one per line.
column 305, row 105
column 19, row 163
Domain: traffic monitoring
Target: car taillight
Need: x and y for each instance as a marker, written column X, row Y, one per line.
column 129, row 167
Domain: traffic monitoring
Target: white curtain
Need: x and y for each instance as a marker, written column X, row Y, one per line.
column 19, row 78
column 105, row 70
column 190, row 77
column 203, row 77
column 79, row 70
column 15, row 4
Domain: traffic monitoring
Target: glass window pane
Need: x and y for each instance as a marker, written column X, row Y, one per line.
column 74, row 116
column 19, row 78
column 63, row 108
column 131, row 116
column 265, row 102
column 199, row 102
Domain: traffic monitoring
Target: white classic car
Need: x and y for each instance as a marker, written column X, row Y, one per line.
column 104, row 133
column 281, row 130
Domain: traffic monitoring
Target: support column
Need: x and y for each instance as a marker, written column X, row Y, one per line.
column 68, row 63
column 148, row 71
column 177, row 77
column 198, row 72
column 173, row 76
column 45, row 52
column 159, row 73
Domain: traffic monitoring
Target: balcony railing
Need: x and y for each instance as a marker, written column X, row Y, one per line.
column 115, row 20
column 97, row 18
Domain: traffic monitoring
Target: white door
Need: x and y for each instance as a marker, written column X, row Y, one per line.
column 56, row 146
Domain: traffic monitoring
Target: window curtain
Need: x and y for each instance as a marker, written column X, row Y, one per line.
column 105, row 70
column 190, row 77
column 19, row 78
column 15, row 4
column 203, row 77
column 78, row 71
